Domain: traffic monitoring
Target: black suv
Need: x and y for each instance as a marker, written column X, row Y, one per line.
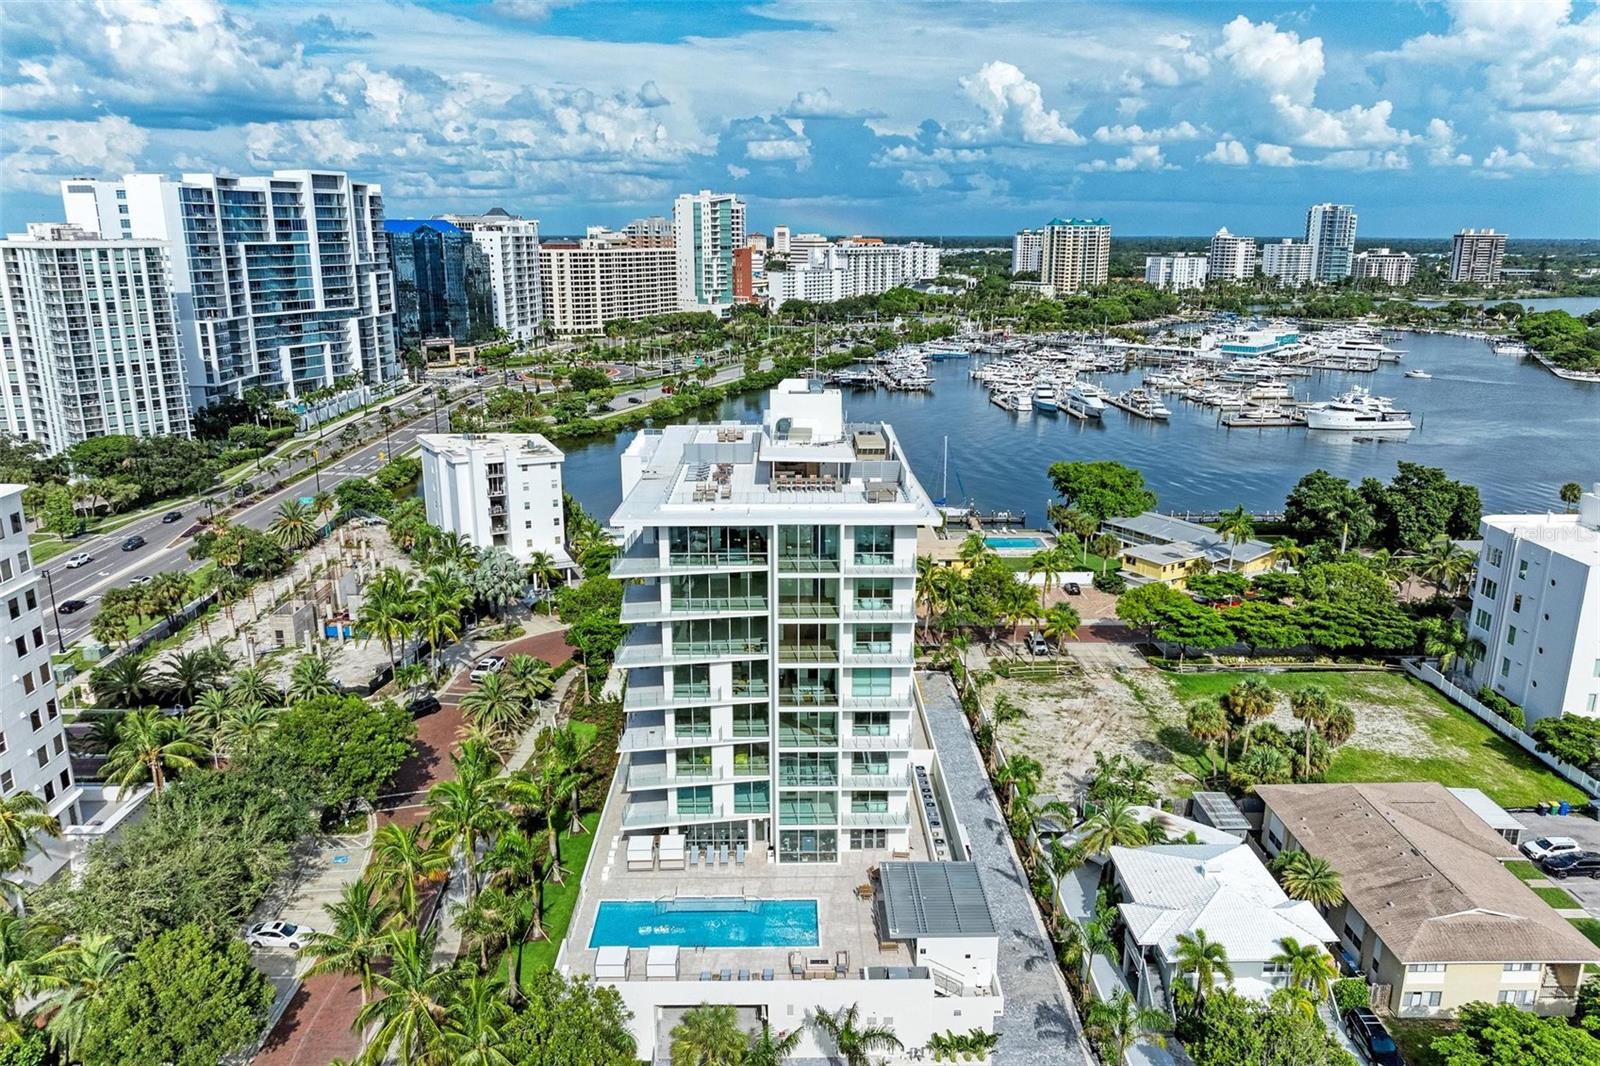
column 1581, row 864
column 170, row 517
column 423, row 705
column 133, row 543
column 1370, row 1035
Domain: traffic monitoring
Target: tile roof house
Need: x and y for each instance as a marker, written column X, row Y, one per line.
column 1221, row 888
column 1431, row 914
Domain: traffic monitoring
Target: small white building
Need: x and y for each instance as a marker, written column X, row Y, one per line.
column 1177, row 272
column 1536, row 608
column 500, row 490
column 1391, row 268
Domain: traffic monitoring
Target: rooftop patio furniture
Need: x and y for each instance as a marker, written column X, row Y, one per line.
column 611, row 963
column 661, row 962
column 641, row 853
column 797, row 967
column 841, row 964
column 766, row 974
column 744, row 975
column 727, row 974
column 738, row 854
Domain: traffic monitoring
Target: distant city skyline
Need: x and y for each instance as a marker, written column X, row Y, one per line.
column 966, row 119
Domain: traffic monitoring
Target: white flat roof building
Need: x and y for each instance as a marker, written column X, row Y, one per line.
column 1288, row 261
column 1027, row 251
column 1331, row 233
column 1391, row 268
column 1231, row 258
column 500, row 490
column 1536, row 608
column 511, row 246
column 89, row 337
column 1177, row 272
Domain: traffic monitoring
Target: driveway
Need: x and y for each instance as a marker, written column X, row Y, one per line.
column 1586, row 831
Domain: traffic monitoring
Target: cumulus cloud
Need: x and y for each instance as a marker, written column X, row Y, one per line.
column 1139, row 157
column 738, row 173
column 1135, row 134
column 1228, row 153
column 1014, row 107
column 1277, row 59
column 279, row 144
column 1275, row 155
column 820, row 103
column 1501, row 159
column 1355, row 126
column 39, row 154
column 1366, row 159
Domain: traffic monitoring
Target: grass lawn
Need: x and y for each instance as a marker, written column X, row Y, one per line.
column 1558, row 897
column 1414, row 1037
column 559, row 901
column 1466, row 752
column 1525, row 869
column 1589, row 927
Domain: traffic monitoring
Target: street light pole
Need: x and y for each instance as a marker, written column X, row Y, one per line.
column 54, row 611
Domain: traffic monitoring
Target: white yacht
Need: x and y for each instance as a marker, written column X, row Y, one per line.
column 1419, row 374
column 1084, row 401
column 1143, row 403
column 1357, row 409
column 1012, row 399
column 1044, row 396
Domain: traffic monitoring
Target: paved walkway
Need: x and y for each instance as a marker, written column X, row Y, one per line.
column 1039, row 1026
column 316, row 1027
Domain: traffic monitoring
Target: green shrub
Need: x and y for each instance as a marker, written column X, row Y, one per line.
column 1112, row 582
column 1349, row 992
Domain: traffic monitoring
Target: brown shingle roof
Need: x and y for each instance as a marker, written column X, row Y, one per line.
column 1426, row 874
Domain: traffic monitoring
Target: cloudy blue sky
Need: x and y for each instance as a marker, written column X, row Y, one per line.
column 957, row 118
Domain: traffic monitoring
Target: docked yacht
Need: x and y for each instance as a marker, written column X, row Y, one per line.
column 1044, row 396
column 1142, row 402
column 1084, row 401
column 1357, row 409
column 1017, row 399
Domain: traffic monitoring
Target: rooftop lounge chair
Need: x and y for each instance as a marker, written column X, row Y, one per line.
column 766, row 974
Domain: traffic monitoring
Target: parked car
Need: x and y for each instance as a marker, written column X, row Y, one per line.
column 1540, row 848
column 489, row 664
column 80, row 559
column 1574, row 864
column 1074, row 589
column 277, row 935
column 133, row 543
column 1370, row 1035
column 423, row 705
column 70, row 606
column 1037, row 645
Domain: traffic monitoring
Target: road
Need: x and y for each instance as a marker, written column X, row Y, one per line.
column 168, row 543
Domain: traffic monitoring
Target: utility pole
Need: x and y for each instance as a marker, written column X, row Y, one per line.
column 55, row 611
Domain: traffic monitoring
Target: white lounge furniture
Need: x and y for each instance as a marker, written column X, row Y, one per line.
column 661, row 962
column 641, row 853
column 611, row 963
column 672, row 852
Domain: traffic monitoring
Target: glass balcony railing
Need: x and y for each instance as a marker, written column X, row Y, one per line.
column 810, row 609
column 695, row 604
column 808, row 738
column 872, row 604
column 807, row 697
column 874, row 558
column 808, row 653
column 682, row 649
column 791, row 813
column 809, row 564
column 752, row 768
column 758, row 729
column 807, row 778
column 750, row 690
column 721, row 558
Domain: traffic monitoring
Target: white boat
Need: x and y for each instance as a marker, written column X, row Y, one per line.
column 1083, row 401
column 1510, row 349
column 1012, row 399
column 1357, row 409
column 1142, row 402
column 1044, row 396
column 1419, row 373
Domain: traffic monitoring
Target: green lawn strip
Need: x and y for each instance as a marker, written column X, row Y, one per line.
column 1415, row 1038
column 559, row 902
column 1524, row 869
column 1472, row 755
column 1558, row 897
column 1589, row 927
column 1187, row 755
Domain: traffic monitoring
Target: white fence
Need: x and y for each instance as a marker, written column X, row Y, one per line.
column 1423, row 672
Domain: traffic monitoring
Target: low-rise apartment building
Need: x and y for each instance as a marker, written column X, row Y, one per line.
column 1431, row 915
column 497, row 490
column 1158, row 547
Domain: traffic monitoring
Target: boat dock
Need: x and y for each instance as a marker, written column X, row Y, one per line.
column 1121, row 402
column 1269, row 420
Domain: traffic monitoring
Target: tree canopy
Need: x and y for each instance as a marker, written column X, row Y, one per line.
column 1102, row 488
column 345, row 748
column 1505, row 1035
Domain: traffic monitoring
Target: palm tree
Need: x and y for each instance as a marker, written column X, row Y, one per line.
column 1451, row 644
column 312, row 677
column 1048, row 564
column 250, row 685
column 188, row 674
column 708, row 1036
column 437, row 613
column 94, row 961
column 1236, row 527
column 1292, row 998
column 295, row 526
column 544, row 573
column 1313, row 706
column 411, row 676
column 532, row 677
column 854, row 1043
column 464, row 811
column 1061, row 623
column 1309, row 877
column 150, row 746
column 475, row 1024
column 490, row 920
column 207, row 712
column 413, row 1000
column 34, row 961
column 243, row 727
column 124, row 682
column 1115, row 1025
column 495, row 705
column 926, row 569
column 767, row 1049
column 1205, row 958
column 1208, row 724
column 386, row 608
column 23, row 816
column 1445, row 563
column 361, row 921
column 1310, row 966
column 1018, row 779
column 1113, row 825
column 1571, row 493
column 1288, row 551
column 1247, row 702
column 403, row 859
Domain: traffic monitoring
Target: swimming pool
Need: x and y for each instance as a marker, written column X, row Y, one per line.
column 1014, row 542
column 711, row 922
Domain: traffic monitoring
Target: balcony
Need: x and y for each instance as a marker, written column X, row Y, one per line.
column 874, row 819
column 723, row 560
column 810, row 609
column 808, row 778
column 808, row 564
column 807, row 697
column 792, row 813
column 650, row 652
column 876, row 702
column 875, row 742
column 879, row 563
column 876, row 653
column 875, row 782
column 637, row 814
column 661, row 738
column 878, row 608
column 807, row 738
column 808, row 653
column 658, row 777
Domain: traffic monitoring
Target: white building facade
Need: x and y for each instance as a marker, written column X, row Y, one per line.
column 1331, row 234
column 88, row 338
column 707, row 229
column 1027, row 251
column 1287, row 262
column 1076, row 254
column 1476, row 255
column 604, row 277
column 1381, row 264
column 511, row 246
column 497, row 490
column 1231, row 258
column 1536, row 608
column 919, row 261
column 280, row 282
column 1176, row 272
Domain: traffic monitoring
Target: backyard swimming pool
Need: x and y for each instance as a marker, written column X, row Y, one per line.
column 1014, row 542
column 715, row 922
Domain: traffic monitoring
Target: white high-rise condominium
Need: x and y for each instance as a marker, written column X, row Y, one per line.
column 1231, row 258
column 707, row 228
column 1076, row 254
column 873, row 267
column 605, row 276
column 511, row 245
column 1289, row 262
column 802, row 245
column 88, row 338
column 1176, row 272
column 770, row 647
column 497, row 490
column 1027, row 251
column 1475, row 256
column 821, row 279
column 1331, row 234
column 33, row 747
column 1391, row 268
column 281, row 282
column 1536, row 609
column 919, row 261
column 780, row 240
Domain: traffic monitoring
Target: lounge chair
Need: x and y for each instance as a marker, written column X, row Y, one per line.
column 738, row 855
column 705, row 975
column 694, row 857
column 744, row 975
column 727, row 974
column 766, row 974
column 722, row 855
column 797, row 966
column 841, row 964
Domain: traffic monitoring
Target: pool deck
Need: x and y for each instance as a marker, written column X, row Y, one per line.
column 947, row 549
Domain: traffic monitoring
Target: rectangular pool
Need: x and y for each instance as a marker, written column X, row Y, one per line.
column 706, row 922
column 1014, row 542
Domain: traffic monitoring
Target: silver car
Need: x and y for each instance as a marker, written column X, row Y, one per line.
column 277, row 935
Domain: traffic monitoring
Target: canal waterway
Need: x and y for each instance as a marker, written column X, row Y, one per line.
column 1504, row 424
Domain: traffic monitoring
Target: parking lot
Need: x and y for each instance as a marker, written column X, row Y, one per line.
column 1583, row 829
